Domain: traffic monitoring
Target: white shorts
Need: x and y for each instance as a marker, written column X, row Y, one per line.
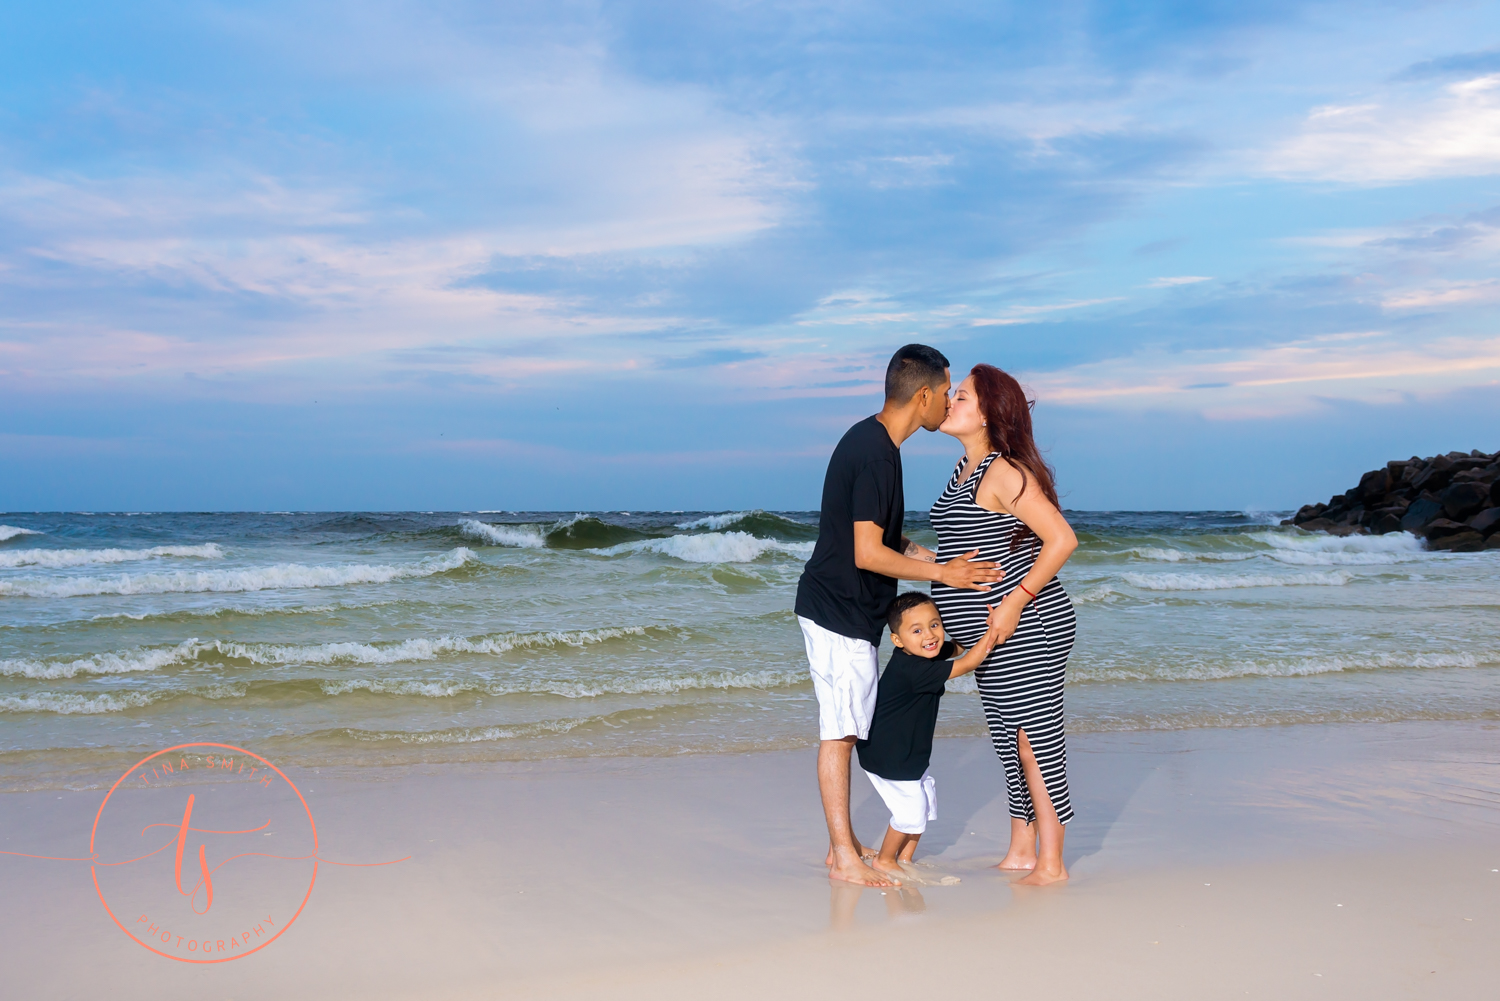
column 912, row 802
column 844, row 673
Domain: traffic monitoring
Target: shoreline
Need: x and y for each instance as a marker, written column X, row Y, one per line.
column 586, row 877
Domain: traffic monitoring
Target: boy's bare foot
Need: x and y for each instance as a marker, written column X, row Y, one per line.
column 857, row 872
column 1017, row 863
column 894, row 869
column 1043, row 877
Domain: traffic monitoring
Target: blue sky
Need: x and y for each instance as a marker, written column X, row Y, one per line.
column 623, row 255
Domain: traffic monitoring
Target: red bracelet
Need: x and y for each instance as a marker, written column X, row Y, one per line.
column 1023, row 587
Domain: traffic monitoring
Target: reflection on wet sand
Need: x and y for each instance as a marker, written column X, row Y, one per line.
column 844, row 898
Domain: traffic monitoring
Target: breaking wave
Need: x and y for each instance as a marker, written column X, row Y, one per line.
column 1210, row 582
column 8, row 532
column 713, row 547
column 55, row 558
column 518, row 536
column 1284, row 667
column 282, row 575
column 405, row 652
column 1346, row 550
column 646, row 685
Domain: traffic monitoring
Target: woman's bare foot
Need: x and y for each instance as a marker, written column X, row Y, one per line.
column 1017, row 863
column 1043, row 877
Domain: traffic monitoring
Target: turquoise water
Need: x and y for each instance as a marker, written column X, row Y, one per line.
column 358, row 639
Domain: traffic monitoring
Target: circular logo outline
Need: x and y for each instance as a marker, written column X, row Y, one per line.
column 94, row 869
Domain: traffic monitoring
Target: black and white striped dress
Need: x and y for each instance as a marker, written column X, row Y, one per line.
column 1021, row 681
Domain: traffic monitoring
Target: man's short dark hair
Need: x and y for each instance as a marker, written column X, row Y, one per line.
column 905, row 602
column 911, row 368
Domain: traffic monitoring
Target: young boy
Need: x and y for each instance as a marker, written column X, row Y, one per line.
column 899, row 748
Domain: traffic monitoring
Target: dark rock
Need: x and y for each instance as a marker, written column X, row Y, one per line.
column 1464, row 499
column 1307, row 512
column 1419, row 514
column 1493, row 542
column 1442, row 528
column 1463, row 542
column 1375, row 483
column 1431, row 497
column 1434, row 477
column 1486, row 521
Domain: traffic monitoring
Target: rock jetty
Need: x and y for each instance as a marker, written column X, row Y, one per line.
column 1452, row 501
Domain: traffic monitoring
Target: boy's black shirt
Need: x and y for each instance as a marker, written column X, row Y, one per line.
column 906, row 708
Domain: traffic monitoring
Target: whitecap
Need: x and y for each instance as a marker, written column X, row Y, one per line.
column 278, row 576
column 711, row 547
column 518, row 536
column 1177, row 555
column 68, row 704
column 1283, row 667
column 8, row 532
column 647, row 685
column 106, row 663
column 55, row 558
column 717, row 522
column 1214, row 582
column 419, row 649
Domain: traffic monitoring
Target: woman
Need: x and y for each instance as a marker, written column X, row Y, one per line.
column 1001, row 501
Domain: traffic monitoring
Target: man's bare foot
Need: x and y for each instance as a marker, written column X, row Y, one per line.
column 1017, row 863
column 1043, row 877
column 857, row 872
column 864, row 852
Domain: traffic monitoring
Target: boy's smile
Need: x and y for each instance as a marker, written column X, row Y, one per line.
column 921, row 632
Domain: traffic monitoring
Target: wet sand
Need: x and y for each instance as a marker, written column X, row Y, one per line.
column 1314, row 861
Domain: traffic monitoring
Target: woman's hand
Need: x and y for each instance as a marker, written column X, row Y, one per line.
column 1006, row 616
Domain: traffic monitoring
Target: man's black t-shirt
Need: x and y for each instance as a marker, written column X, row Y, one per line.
column 906, row 711
column 863, row 484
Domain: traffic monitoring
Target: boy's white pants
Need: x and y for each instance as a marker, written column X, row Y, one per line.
column 912, row 802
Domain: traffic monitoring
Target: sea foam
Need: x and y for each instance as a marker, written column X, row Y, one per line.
column 1214, row 582
column 281, row 575
column 712, row 547
column 55, row 558
column 1341, row 550
column 8, row 532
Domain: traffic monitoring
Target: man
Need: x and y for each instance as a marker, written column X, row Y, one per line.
column 850, row 580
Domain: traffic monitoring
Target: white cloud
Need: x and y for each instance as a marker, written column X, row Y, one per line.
column 1446, row 294
column 1179, row 280
column 1454, row 133
column 1287, row 378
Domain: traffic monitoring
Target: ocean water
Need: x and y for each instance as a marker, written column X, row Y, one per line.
column 388, row 639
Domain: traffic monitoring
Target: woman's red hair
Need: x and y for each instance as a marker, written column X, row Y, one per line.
column 1007, row 418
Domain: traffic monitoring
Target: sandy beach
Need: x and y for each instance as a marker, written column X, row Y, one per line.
column 1315, row 861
